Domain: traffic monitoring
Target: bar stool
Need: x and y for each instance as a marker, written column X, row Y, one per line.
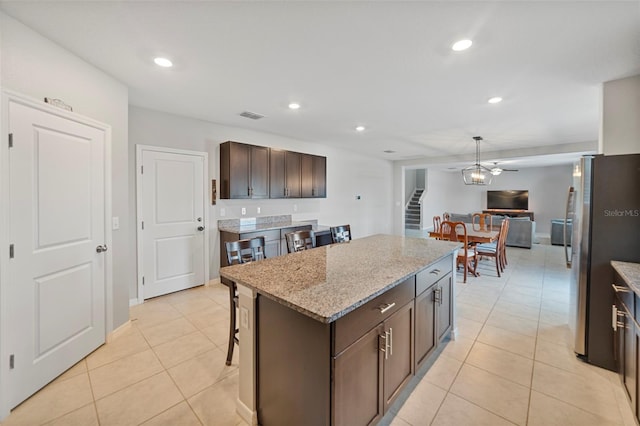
column 241, row 251
column 340, row 234
column 300, row 240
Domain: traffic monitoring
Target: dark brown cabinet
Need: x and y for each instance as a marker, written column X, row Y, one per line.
column 313, row 176
column 434, row 308
column 371, row 372
column 249, row 171
column 244, row 171
column 284, row 174
column 626, row 339
column 358, row 364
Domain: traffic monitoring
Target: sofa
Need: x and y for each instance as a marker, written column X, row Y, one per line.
column 522, row 230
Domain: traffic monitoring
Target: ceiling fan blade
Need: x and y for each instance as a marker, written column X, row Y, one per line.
column 510, row 170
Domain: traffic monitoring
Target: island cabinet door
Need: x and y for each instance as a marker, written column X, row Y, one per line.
column 398, row 353
column 357, row 381
column 425, row 325
column 444, row 306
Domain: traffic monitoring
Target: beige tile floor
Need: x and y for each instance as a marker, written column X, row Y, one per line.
column 512, row 363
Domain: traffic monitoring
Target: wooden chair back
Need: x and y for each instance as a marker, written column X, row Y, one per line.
column 340, row 234
column 300, row 240
column 484, row 220
column 467, row 256
column 243, row 251
column 436, row 223
column 446, row 216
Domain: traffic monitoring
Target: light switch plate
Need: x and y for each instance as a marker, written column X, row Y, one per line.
column 222, row 212
column 244, row 210
column 244, row 317
column 115, row 223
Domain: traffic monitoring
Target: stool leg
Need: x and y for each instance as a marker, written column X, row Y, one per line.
column 232, row 321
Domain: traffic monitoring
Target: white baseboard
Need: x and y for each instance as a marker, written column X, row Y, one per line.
column 247, row 414
column 118, row 331
column 134, row 302
column 213, row 281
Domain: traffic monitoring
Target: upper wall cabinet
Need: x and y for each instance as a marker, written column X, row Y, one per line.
column 314, row 176
column 249, row 171
column 284, row 174
column 244, row 171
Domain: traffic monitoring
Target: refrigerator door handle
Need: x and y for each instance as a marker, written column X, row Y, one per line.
column 568, row 211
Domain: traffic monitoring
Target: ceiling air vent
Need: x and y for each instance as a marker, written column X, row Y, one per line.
column 388, row 151
column 251, row 115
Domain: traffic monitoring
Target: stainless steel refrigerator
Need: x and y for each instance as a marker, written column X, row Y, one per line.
column 604, row 208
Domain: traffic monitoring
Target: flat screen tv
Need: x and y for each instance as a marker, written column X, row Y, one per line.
column 508, row 200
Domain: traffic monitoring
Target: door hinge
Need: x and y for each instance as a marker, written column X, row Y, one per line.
column 141, row 170
column 143, row 225
column 11, row 362
column 11, row 251
column 142, row 280
column 10, row 140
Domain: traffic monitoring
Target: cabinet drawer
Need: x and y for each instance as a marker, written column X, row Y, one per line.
column 427, row 277
column 355, row 324
column 271, row 235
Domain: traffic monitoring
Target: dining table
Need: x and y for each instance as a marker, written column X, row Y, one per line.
column 476, row 234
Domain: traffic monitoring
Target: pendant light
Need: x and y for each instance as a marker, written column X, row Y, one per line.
column 477, row 174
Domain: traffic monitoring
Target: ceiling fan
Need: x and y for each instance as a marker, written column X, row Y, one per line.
column 495, row 170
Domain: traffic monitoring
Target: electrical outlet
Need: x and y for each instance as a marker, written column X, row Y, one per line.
column 295, row 207
column 222, row 212
column 244, row 211
column 258, row 210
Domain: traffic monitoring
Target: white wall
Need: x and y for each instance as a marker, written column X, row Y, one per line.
column 409, row 184
column 547, row 188
column 348, row 175
column 35, row 66
column 620, row 129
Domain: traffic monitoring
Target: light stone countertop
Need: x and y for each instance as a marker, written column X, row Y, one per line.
column 630, row 272
column 267, row 226
column 328, row 282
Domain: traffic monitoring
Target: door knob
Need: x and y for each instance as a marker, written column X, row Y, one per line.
column 102, row 248
column 200, row 228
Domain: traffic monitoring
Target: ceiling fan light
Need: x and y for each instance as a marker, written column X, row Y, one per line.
column 496, row 171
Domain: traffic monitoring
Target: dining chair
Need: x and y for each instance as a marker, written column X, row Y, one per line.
column 340, row 234
column 300, row 240
column 496, row 249
column 483, row 219
column 241, row 251
column 446, row 216
column 436, row 223
column 467, row 255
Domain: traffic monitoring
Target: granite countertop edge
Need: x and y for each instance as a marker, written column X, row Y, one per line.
column 335, row 316
column 630, row 272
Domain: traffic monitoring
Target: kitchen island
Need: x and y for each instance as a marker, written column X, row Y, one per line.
column 330, row 336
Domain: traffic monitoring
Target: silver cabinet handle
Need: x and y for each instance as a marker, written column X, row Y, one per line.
column 101, row 248
column 390, row 341
column 620, row 289
column 385, row 308
column 384, row 349
column 435, row 271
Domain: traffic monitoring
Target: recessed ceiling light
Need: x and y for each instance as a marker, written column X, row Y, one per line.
column 294, row 105
column 495, row 100
column 360, row 128
column 163, row 62
column 461, row 45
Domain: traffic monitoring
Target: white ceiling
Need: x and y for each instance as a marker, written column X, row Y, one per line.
column 385, row 65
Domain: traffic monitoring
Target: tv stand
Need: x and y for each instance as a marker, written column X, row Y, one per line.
column 511, row 212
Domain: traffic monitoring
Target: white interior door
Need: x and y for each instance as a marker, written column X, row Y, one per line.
column 56, row 284
column 172, row 221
